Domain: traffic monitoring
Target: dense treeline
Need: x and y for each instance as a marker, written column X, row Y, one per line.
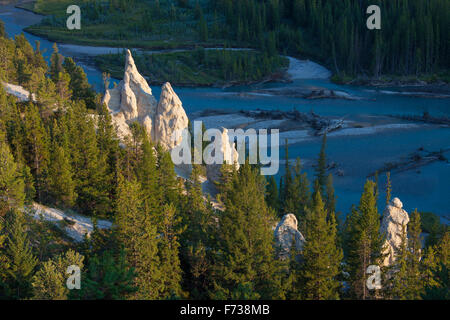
column 167, row 239
column 413, row 39
column 199, row 67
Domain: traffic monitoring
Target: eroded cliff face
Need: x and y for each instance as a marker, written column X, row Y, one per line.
column 394, row 221
column 132, row 100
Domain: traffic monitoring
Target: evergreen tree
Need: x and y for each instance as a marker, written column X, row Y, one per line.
column 272, row 196
column 169, row 253
column 21, row 259
column 87, row 162
column 56, row 61
column 139, row 238
column 362, row 242
column 388, row 187
column 49, row 283
column 107, row 278
column 61, row 185
column 36, row 148
column 167, row 178
column 330, row 201
column 244, row 249
column 196, row 238
column 321, row 256
column 321, row 168
column 11, row 184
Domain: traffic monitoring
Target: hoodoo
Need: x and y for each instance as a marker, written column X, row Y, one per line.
column 394, row 223
column 132, row 100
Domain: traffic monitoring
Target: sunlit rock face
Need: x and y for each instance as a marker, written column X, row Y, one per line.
column 286, row 235
column 132, row 100
column 18, row 91
column 170, row 118
column 225, row 150
column 395, row 220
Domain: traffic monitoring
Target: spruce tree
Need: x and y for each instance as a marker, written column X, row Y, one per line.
column 330, row 201
column 321, row 168
column 61, row 185
column 169, row 253
column 138, row 235
column 198, row 227
column 272, row 197
column 167, row 178
column 244, row 249
column 108, row 277
column 56, row 60
column 21, row 259
column 11, row 184
column 321, row 256
column 388, row 187
column 49, row 282
column 363, row 242
column 36, row 149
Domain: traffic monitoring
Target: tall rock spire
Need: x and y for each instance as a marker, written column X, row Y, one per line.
column 170, row 118
column 132, row 100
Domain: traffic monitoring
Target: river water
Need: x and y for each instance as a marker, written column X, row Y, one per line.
column 426, row 188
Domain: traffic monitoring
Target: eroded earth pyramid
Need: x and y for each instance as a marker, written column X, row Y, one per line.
column 394, row 221
column 132, row 100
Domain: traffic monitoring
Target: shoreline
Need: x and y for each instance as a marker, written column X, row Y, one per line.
column 438, row 88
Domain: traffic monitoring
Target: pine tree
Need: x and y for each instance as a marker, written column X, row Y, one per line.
column 21, row 259
column 388, row 187
column 272, row 196
column 79, row 85
column 244, row 249
column 362, row 242
column 167, row 178
column 321, row 168
column 107, row 277
column 89, row 165
column 195, row 239
column 298, row 197
column 56, row 61
column 148, row 177
column 436, row 270
column 139, row 238
column 49, row 283
column 321, row 256
column 330, row 201
column 36, row 148
column 11, row 184
column 415, row 254
column 109, row 151
column 61, row 185
column 400, row 277
column 169, row 253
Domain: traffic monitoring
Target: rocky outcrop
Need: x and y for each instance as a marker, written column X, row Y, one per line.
column 76, row 226
column 18, row 91
column 227, row 151
column 170, row 118
column 286, row 235
column 132, row 100
column 395, row 220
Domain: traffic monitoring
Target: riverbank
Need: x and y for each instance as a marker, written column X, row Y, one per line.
column 201, row 67
column 434, row 84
